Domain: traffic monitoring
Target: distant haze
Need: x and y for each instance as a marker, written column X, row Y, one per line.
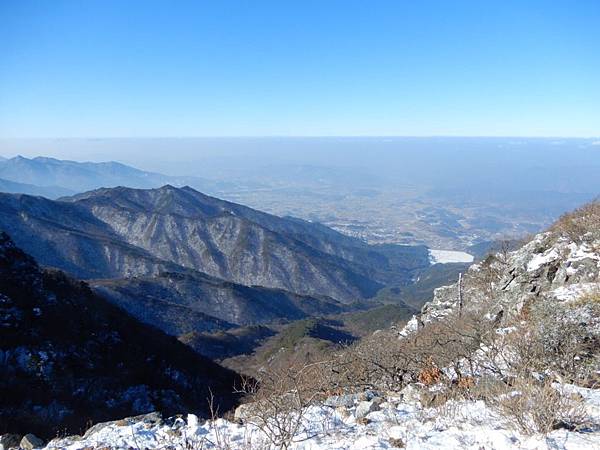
column 499, row 163
column 447, row 193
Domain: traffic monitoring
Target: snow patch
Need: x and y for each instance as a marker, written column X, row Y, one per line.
column 541, row 259
column 574, row 291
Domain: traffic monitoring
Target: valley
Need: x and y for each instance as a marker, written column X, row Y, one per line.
column 205, row 270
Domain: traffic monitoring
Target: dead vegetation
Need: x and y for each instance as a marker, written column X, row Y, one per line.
column 536, row 406
column 279, row 400
column 582, row 224
column 465, row 357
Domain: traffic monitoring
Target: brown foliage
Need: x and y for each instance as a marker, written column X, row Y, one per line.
column 465, row 383
column 430, row 375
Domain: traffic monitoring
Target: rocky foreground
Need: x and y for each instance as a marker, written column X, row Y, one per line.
column 365, row 421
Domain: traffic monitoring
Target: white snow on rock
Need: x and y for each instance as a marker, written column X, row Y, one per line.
column 571, row 253
column 449, row 256
column 574, row 291
column 541, row 259
column 411, row 326
column 472, row 425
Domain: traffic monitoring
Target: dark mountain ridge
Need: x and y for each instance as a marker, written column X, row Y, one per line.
column 187, row 301
column 67, row 356
column 375, row 262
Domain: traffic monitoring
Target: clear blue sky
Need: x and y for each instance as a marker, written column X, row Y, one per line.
column 221, row 68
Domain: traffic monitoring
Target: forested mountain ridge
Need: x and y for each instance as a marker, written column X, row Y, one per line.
column 68, row 356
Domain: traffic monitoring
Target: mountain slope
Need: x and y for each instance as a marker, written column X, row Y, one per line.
column 68, row 237
column 183, row 302
column 558, row 265
column 122, row 232
column 192, row 204
column 68, row 356
column 246, row 246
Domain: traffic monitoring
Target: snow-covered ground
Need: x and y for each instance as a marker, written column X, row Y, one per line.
column 449, row 256
column 397, row 422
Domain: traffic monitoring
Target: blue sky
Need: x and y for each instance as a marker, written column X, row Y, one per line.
column 300, row 68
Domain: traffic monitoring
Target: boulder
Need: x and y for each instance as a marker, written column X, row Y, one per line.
column 397, row 443
column 151, row 419
column 365, row 408
column 346, row 401
column 369, row 395
column 243, row 412
column 31, row 441
column 410, row 394
column 9, row 441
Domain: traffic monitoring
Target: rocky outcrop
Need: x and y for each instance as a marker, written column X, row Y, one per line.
column 9, row 441
column 555, row 266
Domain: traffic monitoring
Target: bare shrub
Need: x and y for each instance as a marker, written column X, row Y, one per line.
column 466, row 356
column 430, row 375
column 279, row 400
column 385, row 362
column 533, row 406
column 562, row 339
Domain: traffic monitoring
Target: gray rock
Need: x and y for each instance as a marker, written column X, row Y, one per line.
column 31, row 441
column 397, row 443
column 369, row 395
column 365, row 408
column 410, row 394
column 346, row 401
column 9, row 441
column 152, row 419
column 243, row 412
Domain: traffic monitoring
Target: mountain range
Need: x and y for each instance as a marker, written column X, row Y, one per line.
column 53, row 178
column 185, row 261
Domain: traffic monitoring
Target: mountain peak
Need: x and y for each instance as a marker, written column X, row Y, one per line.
column 168, row 188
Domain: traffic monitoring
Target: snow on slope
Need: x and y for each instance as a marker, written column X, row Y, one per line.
column 449, row 256
column 462, row 425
